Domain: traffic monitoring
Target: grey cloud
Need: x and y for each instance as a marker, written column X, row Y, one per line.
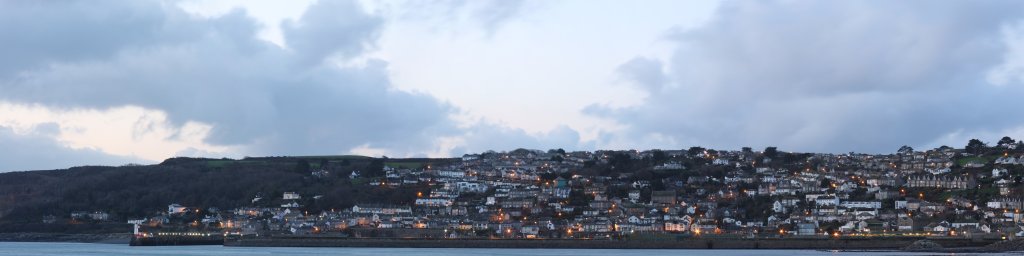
column 214, row 70
column 492, row 14
column 332, row 27
column 488, row 15
column 829, row 76
column 22, row 152
column 645, row 73
column 47, row 129
column 488, row 136
column 34, row 34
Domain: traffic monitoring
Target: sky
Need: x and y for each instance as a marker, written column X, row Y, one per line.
column 119, row 82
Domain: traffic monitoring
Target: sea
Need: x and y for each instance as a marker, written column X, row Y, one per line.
column 48, row 248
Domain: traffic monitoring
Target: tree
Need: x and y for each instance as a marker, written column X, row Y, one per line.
column 975, row 146
column 658, row 156
column 589, row 163
column 747, row 150
column 578, row 198
column 557, row 158
column 375, row 169
column 617, row 191
column 620, row 161
column 1006, row 141
column 825, row 183
column 302, row 166
column 657, row 184
column 693, row 151
column 566, row 175
column 643, row 175
column 905, row 150
column 771, row 152
column 548, row 176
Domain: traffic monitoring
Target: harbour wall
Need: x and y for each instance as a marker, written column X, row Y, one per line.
column 690, row 243
column 176, row 240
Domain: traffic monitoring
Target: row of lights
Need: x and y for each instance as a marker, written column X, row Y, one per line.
column 182, row 234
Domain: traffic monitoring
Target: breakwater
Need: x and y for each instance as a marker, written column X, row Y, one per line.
column 178, row 239
column 689, row 243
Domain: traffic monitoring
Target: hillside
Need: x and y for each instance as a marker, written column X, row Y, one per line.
column 136, row 191
column 743, row 183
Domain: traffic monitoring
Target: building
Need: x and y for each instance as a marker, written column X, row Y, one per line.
column 176, row 209
column 806, row 229
column 862, row 204
column 663, row 197
column 291, row 196
column 906, row 223
column 380, row 209
column 433, row 202
column 941, row 181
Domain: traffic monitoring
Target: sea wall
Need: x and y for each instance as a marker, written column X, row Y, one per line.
column 118, row 238
column 177, row 240
column 693, row 243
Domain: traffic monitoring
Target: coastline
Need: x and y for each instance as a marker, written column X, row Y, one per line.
column 820, row 244
column 112, row 238
column 948, row 245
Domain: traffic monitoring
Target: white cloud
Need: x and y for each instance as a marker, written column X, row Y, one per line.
column 35, row 150
column 1012, row 68
column 269, row 13
column 122, row 131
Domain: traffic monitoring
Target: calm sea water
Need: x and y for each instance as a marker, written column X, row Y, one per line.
column 29, row 249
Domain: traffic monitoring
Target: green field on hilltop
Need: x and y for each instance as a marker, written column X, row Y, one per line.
column 980, row 159
column 337, row 157
column 405, row 165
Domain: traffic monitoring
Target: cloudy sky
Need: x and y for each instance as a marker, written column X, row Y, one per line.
column 115, row 82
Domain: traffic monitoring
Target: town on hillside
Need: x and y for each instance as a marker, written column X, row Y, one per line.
column 974, row 191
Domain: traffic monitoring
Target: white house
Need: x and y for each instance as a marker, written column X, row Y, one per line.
column 999, row 172
column 464, row 186
column 433, row 202
column 176, row 208
column 862, row 204
column 777, row 207
column 827, row 201
column 451, row 173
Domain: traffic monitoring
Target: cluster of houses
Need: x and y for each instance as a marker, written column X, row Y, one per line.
column 1010, row 160
column 546, row 194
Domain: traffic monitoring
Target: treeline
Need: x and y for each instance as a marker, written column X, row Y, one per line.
column 137, row 191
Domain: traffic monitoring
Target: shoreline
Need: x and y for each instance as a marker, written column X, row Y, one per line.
column 853, row 244
column 817, row 244
column 109, row 238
